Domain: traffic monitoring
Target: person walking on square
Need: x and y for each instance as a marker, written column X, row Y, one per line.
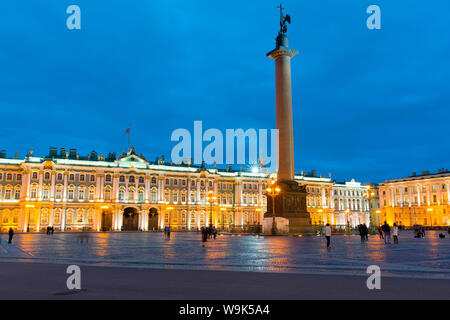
column 361, row 232
column 380, row 232
column 366, row 231
column 168, row 232
column 387, row 233
column 11, row 234
column 53, row 230
column 204, row 236
column 327, row 233
column 395, row 233
column 214, row 231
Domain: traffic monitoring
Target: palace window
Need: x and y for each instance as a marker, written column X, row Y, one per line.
column 444, row 186
column 107, row 194
column 183, row 182
column 34, row 192
column 108, row 178
column 91, row 194
column 82, row 177
column 131, row 179
column 131, row 195
column 1, row 176
column 121, row 194
column 153, row 180
column 81, row 194
column 183, row 197
column 8, row 193
column 433, row 187
column 153, row 196
column 122, row 179
column 45, row 194
column 47, row 176
column 167, row 196
column 210, row 184
column 92, row 178
column 175, row 196
column 71, row 177
column 141, row 179
column 19, row 177
column 202, row 183
column 17, row 194
column 34, row 175
column 192, row 196
column 8, row 177
column 141, row 196
column 59, row 177
column 175, row 182
column 58, row 195
column 167, row 182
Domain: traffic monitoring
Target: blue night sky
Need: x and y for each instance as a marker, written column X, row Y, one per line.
column 368, row 104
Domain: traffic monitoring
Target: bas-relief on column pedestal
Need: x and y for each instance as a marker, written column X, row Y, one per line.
column 290, row 203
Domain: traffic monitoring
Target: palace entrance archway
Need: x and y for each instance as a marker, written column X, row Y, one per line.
column 106, row 220
column 153, row 219
column 130, row 220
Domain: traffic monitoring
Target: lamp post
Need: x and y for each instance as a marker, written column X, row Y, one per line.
column 170, row 215
column 28, row 222
column 273, row 190
column 211, row 199
column 369, row 195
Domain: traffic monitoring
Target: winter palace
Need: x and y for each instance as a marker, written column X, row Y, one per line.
column 74, row 193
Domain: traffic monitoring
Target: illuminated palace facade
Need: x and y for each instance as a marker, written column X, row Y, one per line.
column 419, row 199
column 73, row 193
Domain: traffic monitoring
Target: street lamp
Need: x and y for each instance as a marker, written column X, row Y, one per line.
column 273, row 190
column 28, row 223
column 211, row 199
column 430, row 210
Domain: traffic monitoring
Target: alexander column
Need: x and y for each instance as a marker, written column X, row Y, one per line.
column 291, row 201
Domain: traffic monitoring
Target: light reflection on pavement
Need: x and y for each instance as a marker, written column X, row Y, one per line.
column 424, row 258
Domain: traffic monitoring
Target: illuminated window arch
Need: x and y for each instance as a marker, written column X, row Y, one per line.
column 91, row 193
column 141, row 195
column 108, row 193
column 154, row 195
column 131, row 192
column 121, row 194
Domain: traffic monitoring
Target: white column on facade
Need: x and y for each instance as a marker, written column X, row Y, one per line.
column 41, row 176
column 65, row 187
column 63, row 218
column 147, row 189
column 52, row 217
column 115, row 195
column 52, row 186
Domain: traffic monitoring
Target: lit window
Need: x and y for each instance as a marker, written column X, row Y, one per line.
column 108, row 178
column 131, row 179
column 17, row 194
column 81, row 177
column 122, row 179
column 47, row 176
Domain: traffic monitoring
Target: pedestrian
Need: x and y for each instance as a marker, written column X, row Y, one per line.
column 327, row 233
column 366, row 231
column 204, row 236
column 165, row 232
column 361, row 232
column 168, row 232
column 380, row 231
column 11, row 234
column 423, row 232
column 215, row 232
column 53, row 229
column 387, row 233
column 395, row 233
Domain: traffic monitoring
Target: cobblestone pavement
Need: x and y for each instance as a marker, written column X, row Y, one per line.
column 422, row 258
